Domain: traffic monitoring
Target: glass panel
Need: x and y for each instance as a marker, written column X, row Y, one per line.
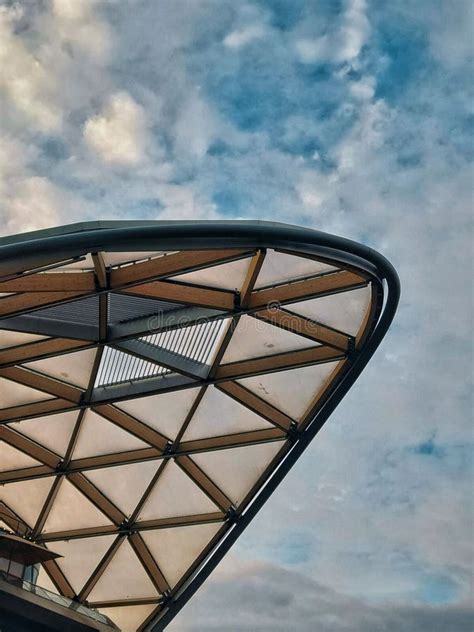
column 291, row 391
column 218, row 414
column 26, row 498
column 174, row 495
column 253, row 338
column 344, row 311
column 236, row 470
column 72, row 510
column 124, row 485
column 74, row 368
column 99, row 436
column 165, row 413
column 228, row 276
column 53, row 432
column 13, row 394
column 281, row 268
column 128, row 618
column 15, row 338
column 81, row 557
column 13, row 459
column 176, row 549
column 124, row 578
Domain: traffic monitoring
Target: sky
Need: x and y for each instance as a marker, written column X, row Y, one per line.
column 353, row 117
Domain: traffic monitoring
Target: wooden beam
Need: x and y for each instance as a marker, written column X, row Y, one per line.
column 256, row 404
column 185, row 294
column 47, row 506
column 50, row 282
column 278, row 362
column 304, row 327
column 148, row 562
column 144, row 525
column 100, row 269
column 37, row 409
column 231, row 441
column 97, row 498
column 119, row 458
column 100, row 568
column 28, row 301
column 25, row 473
column 29, row 447
column 40, row 349
column 132, row 425
column 204, row 482
column 42, row 383
column 59, row 579
column 310, row 288
column 173, row 264
column 251, row 277
column 122, row 603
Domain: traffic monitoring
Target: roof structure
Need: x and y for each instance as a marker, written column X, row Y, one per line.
column 158, row 380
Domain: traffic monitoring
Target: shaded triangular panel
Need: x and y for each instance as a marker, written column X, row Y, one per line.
column 177, row 548
column 81, row 557
column 128, row 618
column 72, row 510
column 236, row 470
column 279, row 267
column 165, row 413
column 227, row 276
column 218, row 414
column 291, row 391
column 175, row 495
column 124, row 578
column 26, row 498
column 99, row 436
column 14, row 394
column 74, row 368
column 13, row 459
column 53, row 432
column 253, row 338
column 344, row 311
column 124, row 485
column 14, row 338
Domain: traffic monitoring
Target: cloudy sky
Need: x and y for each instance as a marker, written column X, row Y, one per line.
column 349, row 116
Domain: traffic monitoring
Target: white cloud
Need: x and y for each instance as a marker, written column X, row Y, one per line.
column 241, row 37
column 117, row 134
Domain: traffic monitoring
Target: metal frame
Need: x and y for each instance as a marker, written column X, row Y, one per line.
column 229, row 240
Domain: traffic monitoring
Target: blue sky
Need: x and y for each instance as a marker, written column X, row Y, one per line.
column 350, row 116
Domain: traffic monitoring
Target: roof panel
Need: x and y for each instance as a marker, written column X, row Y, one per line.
column 171, row 460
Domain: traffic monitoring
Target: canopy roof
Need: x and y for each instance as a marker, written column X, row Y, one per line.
column 153, row 377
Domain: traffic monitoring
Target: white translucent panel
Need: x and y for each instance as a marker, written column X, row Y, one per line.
column 14, row 338
column 165, row 413
column 53, row 431
column 128, row 618
column 74, row 368
column 13, row 459
column 99, row 436
column 44, row 580
column 124, row 578
column 253, row 338
column 119, row 258
column 236, row 470
column 124, row 485
column 291, row 391
column 86, row 263
column 177, row 548
column 72, row 510
column 344, row 311
column 26, row 498
column 280, row 268
column 14, row 394
column 227, row 276
column 218, row 414
column 81, row 557
column 174, row 495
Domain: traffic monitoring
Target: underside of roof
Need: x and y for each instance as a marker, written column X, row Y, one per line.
column 149, row 394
